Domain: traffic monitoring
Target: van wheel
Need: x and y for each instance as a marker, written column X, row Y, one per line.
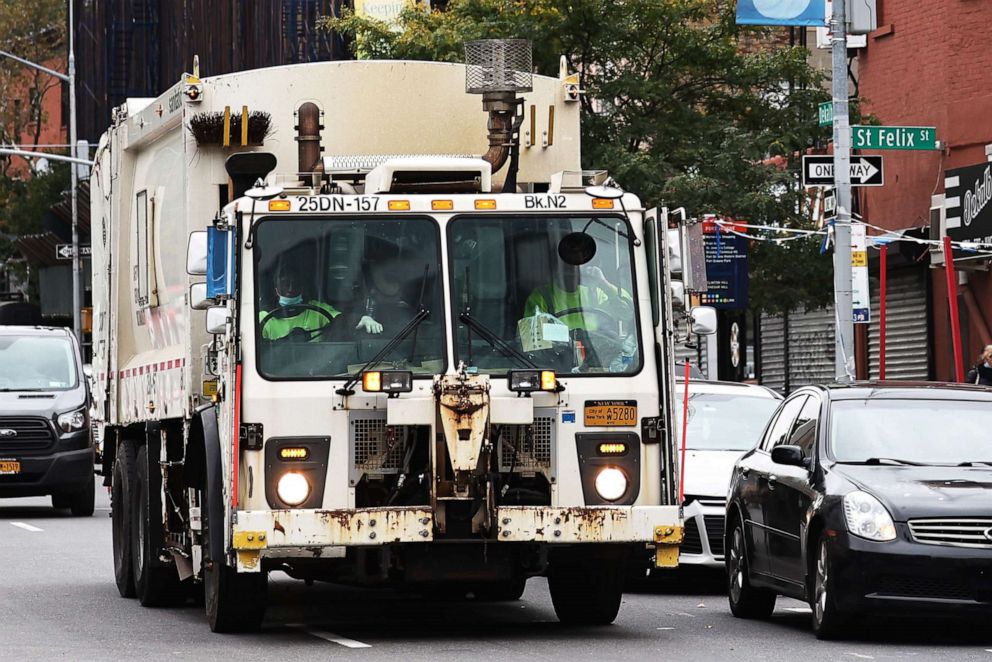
column 746, row 601
column 121, row 485
column 585, row 589
column 81, row 502
column 156, row 583
column 234, row 602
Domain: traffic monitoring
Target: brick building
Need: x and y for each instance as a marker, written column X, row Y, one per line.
column 930, row 64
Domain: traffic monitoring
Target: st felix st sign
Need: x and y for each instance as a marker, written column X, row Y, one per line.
column 865, row 171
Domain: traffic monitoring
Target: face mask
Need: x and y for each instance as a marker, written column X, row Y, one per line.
column 290, row 301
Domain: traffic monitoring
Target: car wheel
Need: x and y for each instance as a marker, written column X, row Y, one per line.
column 83, row 502
column 746, row 601
column 828, row 622
column 121, row 485
column 585, row 589
column 156, row 584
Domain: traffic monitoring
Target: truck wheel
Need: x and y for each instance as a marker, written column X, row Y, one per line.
column 155, row 583
column 585, row 589
column 121, row 485
column 234, row 602
column 81, row 502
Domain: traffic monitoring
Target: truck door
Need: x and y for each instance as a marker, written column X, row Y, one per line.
column 659, row 275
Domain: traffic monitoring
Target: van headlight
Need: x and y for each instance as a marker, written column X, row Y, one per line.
column 293, row 488
column 72, row 421
column 867, row 518
column 611, row 484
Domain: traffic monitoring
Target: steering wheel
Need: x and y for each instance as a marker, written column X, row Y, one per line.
column 610, row 342
column 296, row 306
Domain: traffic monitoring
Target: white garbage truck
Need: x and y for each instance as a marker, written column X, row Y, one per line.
column 351, row 326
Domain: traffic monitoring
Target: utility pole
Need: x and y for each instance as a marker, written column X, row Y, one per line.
column 843, row 302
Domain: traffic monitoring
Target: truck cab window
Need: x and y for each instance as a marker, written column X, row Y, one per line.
column 331, row 293
column 519, row 302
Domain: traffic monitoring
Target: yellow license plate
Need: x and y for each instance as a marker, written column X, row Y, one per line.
column 9, row 467
column 611, row 413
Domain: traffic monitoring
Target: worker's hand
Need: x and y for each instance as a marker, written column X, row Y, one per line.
column 369, row 325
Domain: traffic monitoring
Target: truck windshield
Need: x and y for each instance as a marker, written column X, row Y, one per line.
column 518, row 303
column 36, row 363
column 331, row 293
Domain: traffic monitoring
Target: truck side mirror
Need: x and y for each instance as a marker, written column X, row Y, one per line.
column 196, row 253
column 703, row 320
column 674, row 251
column 198, row 299
column 678, row 294
column 217, row 318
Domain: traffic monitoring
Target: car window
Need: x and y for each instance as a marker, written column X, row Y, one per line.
column 804, row 429
column 782, row 427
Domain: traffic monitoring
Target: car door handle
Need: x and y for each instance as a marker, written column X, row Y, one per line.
column 772, row 481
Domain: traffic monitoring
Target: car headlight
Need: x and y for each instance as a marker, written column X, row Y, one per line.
column 611, row 484
column 867, row 518
column 293, row 488
column 72, row 421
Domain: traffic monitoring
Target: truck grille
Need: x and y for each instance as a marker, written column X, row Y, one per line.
column 962, row 532
column 527, row 448
column 28, row 434
column 377, row 448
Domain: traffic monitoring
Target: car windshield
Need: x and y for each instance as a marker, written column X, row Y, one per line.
column 36, row 363
column 331, row 294
column 519, row 304
column 911, row 431
column 723, row 421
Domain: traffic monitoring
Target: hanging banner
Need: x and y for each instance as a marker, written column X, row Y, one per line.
column 781, row 12
column 860, row 295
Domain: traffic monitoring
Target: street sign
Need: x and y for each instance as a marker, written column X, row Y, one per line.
column 860, row 295
column 893, row 137
column 826, row 113
column 726, row 266
column 64, row 251
column 865, row 171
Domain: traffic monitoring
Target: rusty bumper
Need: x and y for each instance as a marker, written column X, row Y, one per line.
column 590, row 524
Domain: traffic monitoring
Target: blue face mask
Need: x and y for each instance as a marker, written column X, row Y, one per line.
column 290, row 301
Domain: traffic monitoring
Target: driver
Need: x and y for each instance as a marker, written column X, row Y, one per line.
column 565, row 298
column 293, row 313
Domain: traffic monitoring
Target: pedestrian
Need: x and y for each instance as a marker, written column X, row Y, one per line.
column 982, row 372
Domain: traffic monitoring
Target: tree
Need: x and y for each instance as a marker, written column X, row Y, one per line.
column 682, row 106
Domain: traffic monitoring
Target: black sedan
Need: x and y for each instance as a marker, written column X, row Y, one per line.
column 866, row 498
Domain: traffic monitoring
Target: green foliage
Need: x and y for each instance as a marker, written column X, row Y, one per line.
column 682, row 106
column 24, row 204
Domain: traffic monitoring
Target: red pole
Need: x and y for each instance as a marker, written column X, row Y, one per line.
column 952, row 302
column 685, row 430
column 883, row 276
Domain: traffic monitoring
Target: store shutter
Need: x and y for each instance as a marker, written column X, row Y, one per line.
column 771, row 372
column 907, row 353
column 799, row 350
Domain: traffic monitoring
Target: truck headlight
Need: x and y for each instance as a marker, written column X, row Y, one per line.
column 293, row 488
column 611, row 484
column 866, row 517
column 72, row 421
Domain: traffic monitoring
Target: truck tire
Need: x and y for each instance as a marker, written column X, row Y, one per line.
column 234, row 602
column 585, row 589
column 80, row 502
column 156, row 583
column 121, row 485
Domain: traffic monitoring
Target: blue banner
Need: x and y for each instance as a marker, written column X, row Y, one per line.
column 781, row 12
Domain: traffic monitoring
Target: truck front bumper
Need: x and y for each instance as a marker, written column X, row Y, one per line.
column 325, row 533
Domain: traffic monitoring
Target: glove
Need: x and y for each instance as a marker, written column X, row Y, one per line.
column 369, row 325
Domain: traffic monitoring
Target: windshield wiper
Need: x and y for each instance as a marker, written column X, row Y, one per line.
column 400, row 336
column 891, row 460
column 494, row 340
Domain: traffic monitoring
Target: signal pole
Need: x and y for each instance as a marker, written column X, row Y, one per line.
column 843, row 302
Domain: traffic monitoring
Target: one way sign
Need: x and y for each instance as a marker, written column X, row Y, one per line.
column 865, row 171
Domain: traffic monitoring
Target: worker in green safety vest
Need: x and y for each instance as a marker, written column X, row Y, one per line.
column 294, row 318
column 589, row 306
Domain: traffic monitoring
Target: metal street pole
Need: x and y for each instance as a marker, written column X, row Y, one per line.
column 842, row 182
column 77, row 263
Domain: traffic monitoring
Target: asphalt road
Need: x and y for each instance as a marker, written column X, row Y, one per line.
column 58, row 601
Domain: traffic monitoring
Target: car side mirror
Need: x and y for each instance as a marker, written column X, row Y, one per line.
column 703, row 320
column 790, row 455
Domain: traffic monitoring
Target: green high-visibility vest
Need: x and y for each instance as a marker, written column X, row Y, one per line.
column 554, row 300
column 308, row 320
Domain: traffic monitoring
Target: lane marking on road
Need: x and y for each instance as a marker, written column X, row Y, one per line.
column 331, row 637
column 863, row 657
column 26, row 527
column 800, row 610
column 664, row 628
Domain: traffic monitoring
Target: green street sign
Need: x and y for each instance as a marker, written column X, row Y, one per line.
column 826, row 113
column 894, row 137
